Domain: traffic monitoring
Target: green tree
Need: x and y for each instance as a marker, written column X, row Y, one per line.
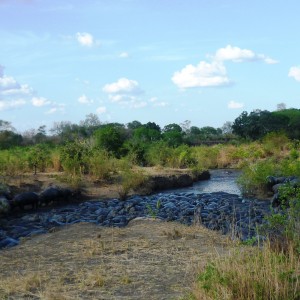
column 74, row 155
column 38, row 157
column 173, row 135
column 9, row 139
column 110, row 138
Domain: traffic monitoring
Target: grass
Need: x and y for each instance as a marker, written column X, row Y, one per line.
column 84, row 261
column 255, row 273
column 267, row 271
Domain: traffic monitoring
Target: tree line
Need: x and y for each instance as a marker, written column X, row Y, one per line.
column 117, row 138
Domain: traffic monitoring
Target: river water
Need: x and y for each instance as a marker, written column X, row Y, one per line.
column 221, row 180
column 217, row 203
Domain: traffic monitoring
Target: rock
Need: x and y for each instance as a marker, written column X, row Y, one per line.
column 276, row 187
column 205, row 175
column 24, row 200
column 8, row 242
column 4, row 205
column 217, row 211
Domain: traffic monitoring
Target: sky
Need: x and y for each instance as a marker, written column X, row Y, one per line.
column 163, row 61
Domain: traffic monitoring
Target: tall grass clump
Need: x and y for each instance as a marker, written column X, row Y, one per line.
column 206, row 157
column 13, row 162
column 268, row 271
column 254, row 177
column 129, row 179
column 276, row 144
column 252, row 274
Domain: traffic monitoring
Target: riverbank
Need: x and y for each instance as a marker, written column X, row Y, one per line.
column 154, row 179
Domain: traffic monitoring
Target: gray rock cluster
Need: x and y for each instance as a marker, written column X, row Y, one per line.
column 275, row 183
column 227, row 213
column 33, row 200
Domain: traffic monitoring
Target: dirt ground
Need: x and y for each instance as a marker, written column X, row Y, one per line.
column 148, row 259
column 90, row 189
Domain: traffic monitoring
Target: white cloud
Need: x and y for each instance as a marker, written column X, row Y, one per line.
column 8, row 83
column 235, row 105
column 138, row 104
column 122, row 86
column 56, row 108
column 125, row 92
column 124, row 55
column 11, row 104
column 85, row 39
column 83, row 99
column 156, row 103
column 116, row 98
column 160, row 104
column 153, row 99
column 51, row 111
column 40, row 101
column 101, row 110
column 295, row 72
column 270, row 61
column 237, row 54
column 202, row 75
column 10, row 87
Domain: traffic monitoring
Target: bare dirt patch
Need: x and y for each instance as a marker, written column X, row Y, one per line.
column 148, row 259
column 90, row 189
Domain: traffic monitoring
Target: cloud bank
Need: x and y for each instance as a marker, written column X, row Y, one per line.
column 294, row 72
column 202, row 75
column 214, row 73
column 85, row 39
column 125, row 92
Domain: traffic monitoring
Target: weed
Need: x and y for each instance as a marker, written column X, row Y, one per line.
column 154, row 211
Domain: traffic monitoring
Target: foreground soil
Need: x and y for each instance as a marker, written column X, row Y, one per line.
column 148, row 259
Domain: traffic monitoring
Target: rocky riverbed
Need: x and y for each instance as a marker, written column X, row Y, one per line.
column 221, row 211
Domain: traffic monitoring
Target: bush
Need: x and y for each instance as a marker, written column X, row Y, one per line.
column 254, row 176
column 129, row 179
column 73, row 157
column 38, row 158
column 100, row 165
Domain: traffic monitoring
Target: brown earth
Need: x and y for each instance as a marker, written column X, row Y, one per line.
column 148, row 259
column 90, row 188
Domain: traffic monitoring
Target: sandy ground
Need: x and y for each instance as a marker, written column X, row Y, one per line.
column 148, row 259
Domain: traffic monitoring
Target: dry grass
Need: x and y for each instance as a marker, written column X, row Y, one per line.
column 250, row 274
column 146, row 260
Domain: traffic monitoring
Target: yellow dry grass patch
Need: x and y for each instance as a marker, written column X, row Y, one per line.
column 146, row 260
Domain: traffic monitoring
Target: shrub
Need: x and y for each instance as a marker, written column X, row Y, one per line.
column 38, row 157
column 101, row 166
column 73, row 157
column 130, row 180
column 253, row 179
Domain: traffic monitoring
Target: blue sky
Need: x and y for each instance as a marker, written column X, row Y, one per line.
column 149, row 60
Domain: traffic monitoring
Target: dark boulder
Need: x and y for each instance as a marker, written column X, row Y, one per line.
column 55, row 194
column 24, row 200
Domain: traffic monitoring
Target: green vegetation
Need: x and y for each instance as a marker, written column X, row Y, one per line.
column 261, row 143
column 268, row 271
